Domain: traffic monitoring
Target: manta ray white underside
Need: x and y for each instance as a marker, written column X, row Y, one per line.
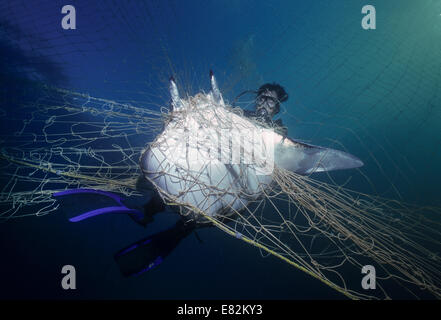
column 211, row 157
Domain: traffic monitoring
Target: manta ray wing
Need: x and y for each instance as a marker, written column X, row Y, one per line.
column 305, row 159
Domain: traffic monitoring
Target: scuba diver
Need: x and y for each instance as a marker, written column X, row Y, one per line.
column 267, row 105
column 149, row 252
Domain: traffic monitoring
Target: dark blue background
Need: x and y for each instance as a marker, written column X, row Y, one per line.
column 376, row 92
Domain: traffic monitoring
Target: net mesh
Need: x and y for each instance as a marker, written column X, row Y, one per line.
column 69, row 140
column 321, row 228
column 55, row 139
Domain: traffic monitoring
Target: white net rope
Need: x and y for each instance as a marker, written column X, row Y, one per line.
column 321, row 228
column 54, row 140
column 69, row 140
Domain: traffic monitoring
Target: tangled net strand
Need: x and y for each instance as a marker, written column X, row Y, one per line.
column 69, row 140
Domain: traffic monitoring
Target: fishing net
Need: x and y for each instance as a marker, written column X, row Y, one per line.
column 54, row 139
column 323, row 229
column 70, row 140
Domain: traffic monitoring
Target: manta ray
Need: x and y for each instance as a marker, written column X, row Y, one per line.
column 181, row 163
column 208, row 161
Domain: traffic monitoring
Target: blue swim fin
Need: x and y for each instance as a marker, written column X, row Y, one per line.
column 149, row 252
column 119, row 208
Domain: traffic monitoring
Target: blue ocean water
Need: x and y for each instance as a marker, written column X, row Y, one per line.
column 376, row 92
